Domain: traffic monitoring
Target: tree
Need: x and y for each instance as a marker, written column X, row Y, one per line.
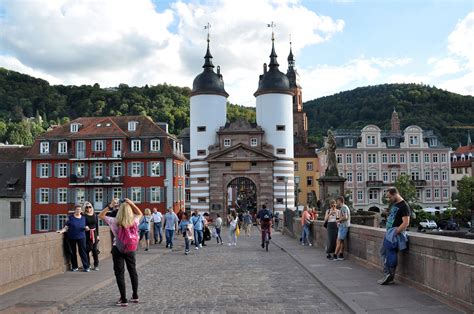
column 466, row 194
column 3, row 130
column 406, row 188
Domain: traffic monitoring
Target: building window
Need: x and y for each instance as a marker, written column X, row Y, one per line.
column 43, row 196
column 384, row 158
column 393, row 176
column 279, row 200
column 339, row 158
column 414, row 158
column 98, row 195
column 15, row 210
column 428, row 194
column 453, row 183
column 435, row 175
column 281, row 151
column 136, row 146
column 393, row 158
column 201, row 152
column 280, row 127
column 116, row 169
column 61, row 221
column 359, row 177
column 444, row 175
column 372, row 158
column 74, row 128
column 427, row 175
column 360, row 195
column 201, row 199
column 43, row 221
column 99, row 145
column 155, row 145
column 136, row 194
column 296, row 166
column 433, row 142
column 155, row 169
column 348, row 142
column 80, row 169
column 44, row 148
column 253, row 141
column 458, row 170
column 415, row 175
column 62, row 196
column 402, row 158
column 372, row 176
column 385, row 176
column 436, row 193
column 373, row 195
column 391, row 142
column 414, row 140
column 445, row 193
column 62, row 170
column 117, row 193
column 80, row 196
column 227, row 142
column 443, row 157
column 98, row 170
column 132, row 125
column 370, row 139
column 418, row 194
column 426, row 158
column 62, row 148
column 435, row 157
column 44, row 170
column 309, row 181
column 309, row 166
column 201, row 129
column 349, row 177
column 155, row 195
column 359, row 158
column 136, row 168
column 348, row 158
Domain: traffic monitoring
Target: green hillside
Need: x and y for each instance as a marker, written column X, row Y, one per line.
column 22, row 96
column 447, row 114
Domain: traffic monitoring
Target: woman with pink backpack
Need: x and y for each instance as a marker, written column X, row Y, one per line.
column 125, row 229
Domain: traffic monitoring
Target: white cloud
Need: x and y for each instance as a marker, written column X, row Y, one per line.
column 461, row 40
column 444, row 66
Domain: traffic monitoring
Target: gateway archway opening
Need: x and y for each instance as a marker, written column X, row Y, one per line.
column 242, row 195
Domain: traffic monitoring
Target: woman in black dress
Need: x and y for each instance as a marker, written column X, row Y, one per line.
column 330, row 222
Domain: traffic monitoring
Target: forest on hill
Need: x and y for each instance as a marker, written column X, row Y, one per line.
column 23, row 97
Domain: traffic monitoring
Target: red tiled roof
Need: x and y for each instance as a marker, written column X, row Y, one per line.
column 464, row 150
column 462, row 163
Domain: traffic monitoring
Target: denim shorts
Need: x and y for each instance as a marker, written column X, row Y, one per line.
column 342, row 232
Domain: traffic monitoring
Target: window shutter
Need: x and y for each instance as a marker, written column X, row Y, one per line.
column 110, row 194
column 56, row 170
column 149, row 168
column 142, row 169
column 50, row 222
column 74, row 168
column 148, row 196
column 122, row 169
column 129, row 167
column 37, row 170
column 162, row 195
column 37, row 222
column 86, row 170
column 111, row 169
column 129, row 193
column 37, row 196
column 67, row 170
column 50, row 171
column 161, row 168
column 87, row 193
column 54, row 196
column 143, row 196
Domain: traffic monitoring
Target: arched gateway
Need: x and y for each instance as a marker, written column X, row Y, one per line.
column 242, row 194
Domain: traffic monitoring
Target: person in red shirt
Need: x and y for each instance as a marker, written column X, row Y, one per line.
column 306, row 224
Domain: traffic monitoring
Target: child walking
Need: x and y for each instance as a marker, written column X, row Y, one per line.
column 184, row 227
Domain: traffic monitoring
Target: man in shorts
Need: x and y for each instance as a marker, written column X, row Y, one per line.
column 343, row 222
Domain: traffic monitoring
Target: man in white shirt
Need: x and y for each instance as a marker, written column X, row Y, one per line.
column 157, row 217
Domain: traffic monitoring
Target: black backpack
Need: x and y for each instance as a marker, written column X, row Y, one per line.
column 266, row 215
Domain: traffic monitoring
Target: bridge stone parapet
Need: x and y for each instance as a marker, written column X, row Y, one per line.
column 439, row 265
column 27, row 259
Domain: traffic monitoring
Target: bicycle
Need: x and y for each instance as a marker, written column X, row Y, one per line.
column 267, row 237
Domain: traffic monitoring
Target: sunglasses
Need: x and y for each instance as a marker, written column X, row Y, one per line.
column 88, row 207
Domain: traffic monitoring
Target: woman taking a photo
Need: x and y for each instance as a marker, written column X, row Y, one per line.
column 125, row 230
column 332, row 214
column 76, row 236
column 92, row 234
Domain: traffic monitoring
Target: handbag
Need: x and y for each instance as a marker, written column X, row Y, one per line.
column 237, row 230
column 325, row 224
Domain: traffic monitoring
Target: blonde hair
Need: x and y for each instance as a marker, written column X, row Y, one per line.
column 125, row 217
column 147, row 212
column 84, row 209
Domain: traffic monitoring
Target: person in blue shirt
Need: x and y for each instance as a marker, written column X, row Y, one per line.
column 76, row 235
column 183, row 227
column 171, row 224
column 198, row 224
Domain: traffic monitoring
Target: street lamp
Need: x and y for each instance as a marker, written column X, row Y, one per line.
column 166, row 183
column 297, row 183
column 286, row 193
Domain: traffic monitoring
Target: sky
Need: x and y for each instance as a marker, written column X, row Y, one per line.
column 338, row 44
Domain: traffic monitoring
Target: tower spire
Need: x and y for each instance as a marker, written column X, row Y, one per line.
column 273, row 55
column 395, row 122
column 208, row 57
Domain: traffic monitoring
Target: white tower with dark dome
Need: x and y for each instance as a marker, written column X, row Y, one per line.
column 207, row 113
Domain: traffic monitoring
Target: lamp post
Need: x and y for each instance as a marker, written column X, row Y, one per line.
column 286, row 193
column 297, row 183
column 165, row 183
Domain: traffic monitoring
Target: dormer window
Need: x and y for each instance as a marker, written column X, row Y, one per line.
column 253, row 142
column 370, row 139
column 99, row 146
column 74, row 127
column 136, row 145
column 132, row 125
column 155, row 145
column 348, row 142
column 227, row 142
column 44, row 148
column 414, row 140
column 433, row 142
column 391, row 142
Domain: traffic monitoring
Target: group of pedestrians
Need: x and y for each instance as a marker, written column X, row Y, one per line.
column 337, row 221
column 82, row 235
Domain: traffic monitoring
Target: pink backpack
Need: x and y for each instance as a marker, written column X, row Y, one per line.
column 127, row 239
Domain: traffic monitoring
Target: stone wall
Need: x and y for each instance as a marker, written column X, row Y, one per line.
column 26, row 259
column 439, row 265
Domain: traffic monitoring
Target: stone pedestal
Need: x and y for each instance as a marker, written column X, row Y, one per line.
column 330, row 187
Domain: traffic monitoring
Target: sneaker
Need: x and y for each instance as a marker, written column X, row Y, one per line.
column 160, row 241
column 86, row 270
column 156, row 241
column 332, row 257
column 341, row 257
column 310, row 244
column 121, row 303
column 166, row 245
column 95, row 268
column 186, row 252
column 302, row 243
column 134, row 300
column 328, row 256
column 263, row 245
column 229, row 244
column 146, row 249
column 75, row 269
column 197, row 247
column 200, row 245
column 384, row 280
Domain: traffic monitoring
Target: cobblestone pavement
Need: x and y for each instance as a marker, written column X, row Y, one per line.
column 219, row 278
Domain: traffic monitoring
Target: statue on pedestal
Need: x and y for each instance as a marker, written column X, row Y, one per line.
column 330, row 148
